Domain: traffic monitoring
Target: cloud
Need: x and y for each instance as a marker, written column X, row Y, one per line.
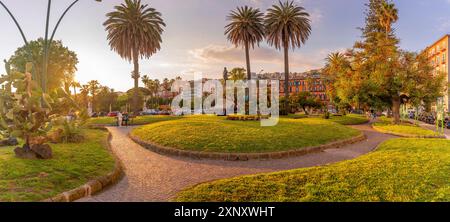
column 268, row 58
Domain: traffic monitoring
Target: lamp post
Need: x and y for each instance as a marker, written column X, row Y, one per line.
column 47, row 40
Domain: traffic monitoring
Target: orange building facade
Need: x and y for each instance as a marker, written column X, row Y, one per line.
column 438, row 57
column 312, row 83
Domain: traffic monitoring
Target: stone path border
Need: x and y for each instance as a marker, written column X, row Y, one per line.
column 169, row 151
column 406, row 135
column 96, row 185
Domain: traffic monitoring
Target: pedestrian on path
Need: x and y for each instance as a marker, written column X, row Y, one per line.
column 119, row 119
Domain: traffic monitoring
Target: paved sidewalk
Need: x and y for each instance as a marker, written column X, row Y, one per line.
column 433, row 127
column 154, row 177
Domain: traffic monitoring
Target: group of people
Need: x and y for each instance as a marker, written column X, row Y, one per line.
column 123, row 119
column 372, row 115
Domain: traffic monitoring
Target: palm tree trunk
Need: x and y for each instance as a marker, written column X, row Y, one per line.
column 75, row 92
column 286, row 79
column 136, row 81
column 247, row 59
column 249, row 77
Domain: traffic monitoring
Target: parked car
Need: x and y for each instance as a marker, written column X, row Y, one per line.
column 94, row 115
column 113, row 114
column 164, row 112
column 148, row 112
column 360, row 112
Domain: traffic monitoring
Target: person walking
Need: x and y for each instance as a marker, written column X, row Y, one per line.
column 126, row 118
column 119, row 119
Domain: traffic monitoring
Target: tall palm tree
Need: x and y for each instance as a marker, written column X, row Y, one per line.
column 246, row 29
column 387, row 15
column 287, row 26
column 134, row 32
column 94, row 87
column 84, row 91
column 75, row 85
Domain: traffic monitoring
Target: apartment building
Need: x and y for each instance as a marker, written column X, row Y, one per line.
column 438, row 56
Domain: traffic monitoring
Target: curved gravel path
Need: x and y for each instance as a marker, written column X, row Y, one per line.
column 154, row 177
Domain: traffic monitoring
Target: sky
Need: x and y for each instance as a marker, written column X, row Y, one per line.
column 194, row 41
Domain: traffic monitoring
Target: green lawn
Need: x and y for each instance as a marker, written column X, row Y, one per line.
column 405, row 129
column 350, row 119
column 140, row 120
column 216, row 134
column 72, row 166
column 401, row 170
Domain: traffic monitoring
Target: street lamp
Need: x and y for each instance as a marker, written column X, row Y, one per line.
column 46, row 39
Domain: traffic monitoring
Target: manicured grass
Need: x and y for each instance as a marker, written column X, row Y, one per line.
column 349, row 119
column 140, row 120
column 216, row 134
column 405, row 129
column 72, row 166
column 401, row 170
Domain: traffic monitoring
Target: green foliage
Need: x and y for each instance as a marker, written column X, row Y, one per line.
column 400, row 170
column 25, row 112
column 237, row 74
column 62, row 62
column 376, row 74
column 305, row 100
column 350, row 119
column 326, row 115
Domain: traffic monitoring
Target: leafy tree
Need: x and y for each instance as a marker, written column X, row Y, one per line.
column 62, row 62
column 287, row 26
column 107, row 98
column 134, row 32
column 376, row 74
column 246, row 28
column 305, row 100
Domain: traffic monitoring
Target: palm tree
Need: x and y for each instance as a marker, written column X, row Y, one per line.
column 94, row 87
column 237, row 74
column 75, row 85
column 134, row 32
column 246, row 29
column 84, row 91
column 287, row 26
column 387, row 15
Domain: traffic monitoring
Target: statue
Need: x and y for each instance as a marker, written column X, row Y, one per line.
column 225, row 74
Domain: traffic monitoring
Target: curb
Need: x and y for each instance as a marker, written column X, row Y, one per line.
column 94, row 186
column 169, row 151
column 406, row 135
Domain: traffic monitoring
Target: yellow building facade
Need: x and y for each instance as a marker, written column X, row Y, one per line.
column 438, row 56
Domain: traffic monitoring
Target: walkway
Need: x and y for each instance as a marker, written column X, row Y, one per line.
column 153, row 177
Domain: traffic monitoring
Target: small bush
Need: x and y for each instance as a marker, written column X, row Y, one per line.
column 326, row 115
column 72, row 132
